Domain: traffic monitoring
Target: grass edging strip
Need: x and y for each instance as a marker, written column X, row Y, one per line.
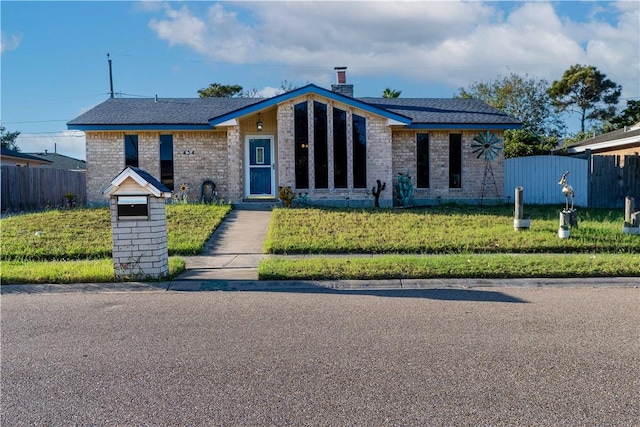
column 66, row 272
column 451, row 266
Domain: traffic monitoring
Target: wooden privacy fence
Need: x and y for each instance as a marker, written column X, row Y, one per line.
column 598, row 182
column 539, row 176
column 611, row 183
column 33, row 188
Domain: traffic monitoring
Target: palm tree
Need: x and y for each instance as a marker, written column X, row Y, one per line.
column 390, row 93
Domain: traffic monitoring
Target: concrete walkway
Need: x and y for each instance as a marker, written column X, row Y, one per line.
column 235, row 249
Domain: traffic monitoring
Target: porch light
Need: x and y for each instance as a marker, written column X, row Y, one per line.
column 259, row 123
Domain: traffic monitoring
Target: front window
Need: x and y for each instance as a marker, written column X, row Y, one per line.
column 301, row 129
column 359, row 152
column 320, row 151
column 422, row 154
column 166, row 161
column 131, row 151
column 340, row 148
column 455, row 160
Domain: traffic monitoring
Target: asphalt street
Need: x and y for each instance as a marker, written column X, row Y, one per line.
column 422, row 357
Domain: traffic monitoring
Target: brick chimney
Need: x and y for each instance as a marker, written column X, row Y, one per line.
column 342, row 87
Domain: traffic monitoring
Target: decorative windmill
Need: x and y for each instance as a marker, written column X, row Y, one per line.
column 487, row 145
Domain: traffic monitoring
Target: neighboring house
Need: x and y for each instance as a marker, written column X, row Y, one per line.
column 16, row 158
column 325, row 143
column 60, row 161
column 620, row 142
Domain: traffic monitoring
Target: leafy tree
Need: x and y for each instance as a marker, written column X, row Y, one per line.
column 629, row 116
column 588, row 89
column 217, row 90
column 8, row 139
column 524, row 98
column 390, row 93
column 286, row 86
column 521, row 142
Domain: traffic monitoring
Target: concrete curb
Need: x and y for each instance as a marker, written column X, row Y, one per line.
column 318, row 286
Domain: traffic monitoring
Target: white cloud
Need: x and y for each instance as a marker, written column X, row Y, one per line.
column 9, row 41
column 454, row 43
column 68, row 143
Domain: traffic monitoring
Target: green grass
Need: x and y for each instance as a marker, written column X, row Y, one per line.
column 443, row 230
column 461, row 241
column 83, row 234
column 451, row 266
column 72, row 246
column 88, row 271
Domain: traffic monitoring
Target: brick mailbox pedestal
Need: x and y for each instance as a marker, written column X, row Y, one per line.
column 139, row 225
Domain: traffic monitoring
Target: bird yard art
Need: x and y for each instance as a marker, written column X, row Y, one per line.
column 568, row 216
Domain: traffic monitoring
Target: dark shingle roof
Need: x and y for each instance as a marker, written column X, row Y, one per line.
column 200, row 111
column 443, row 110
column 164, row 111
column 16, row 154
column 609, row 136
column 60, row 161
column 150, row 179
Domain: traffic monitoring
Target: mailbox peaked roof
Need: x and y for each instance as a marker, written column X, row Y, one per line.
column 144, row 179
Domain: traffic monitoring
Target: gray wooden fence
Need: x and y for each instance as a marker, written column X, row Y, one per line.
column 611, row 182
column 33, row 188
column 539, row 176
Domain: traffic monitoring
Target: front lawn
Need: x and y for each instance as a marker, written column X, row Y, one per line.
column 447, row 242
column 72, row 246
column 443, row 230
column 77, row 234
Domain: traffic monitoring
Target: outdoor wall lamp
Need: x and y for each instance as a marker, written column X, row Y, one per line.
column 259, row 123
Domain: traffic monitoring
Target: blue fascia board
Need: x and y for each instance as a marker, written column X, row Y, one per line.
column 137, row 127
column 305, row 90
column 465, row 126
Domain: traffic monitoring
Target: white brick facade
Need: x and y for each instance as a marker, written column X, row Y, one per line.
column 140, row 246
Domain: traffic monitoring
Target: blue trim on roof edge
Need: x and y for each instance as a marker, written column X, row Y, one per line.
column 305, row 90
column 465, row 126
column 137, row 127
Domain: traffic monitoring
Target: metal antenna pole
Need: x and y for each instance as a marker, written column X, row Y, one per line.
column 110, row 75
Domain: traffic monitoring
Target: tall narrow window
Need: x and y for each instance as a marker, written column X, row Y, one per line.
column 455, row 160
column 320, row 152
column 301, row 131
column 422, row 154
column 166, row 161
column 359, row 152
column 131, row 151
column 339, row 148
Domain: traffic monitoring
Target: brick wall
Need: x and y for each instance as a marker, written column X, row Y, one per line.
column 378, row 155
column 197, row 156
column 473, row 170
column 105, row 160
column 218, row 155
column 140, row 246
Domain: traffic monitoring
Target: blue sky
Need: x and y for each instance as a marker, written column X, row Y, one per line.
column 54, row 54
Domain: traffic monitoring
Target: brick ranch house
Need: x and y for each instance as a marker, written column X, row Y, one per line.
column 322, row 142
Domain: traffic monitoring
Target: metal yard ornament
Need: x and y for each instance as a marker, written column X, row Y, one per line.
column 488, row 146
column 567, row 190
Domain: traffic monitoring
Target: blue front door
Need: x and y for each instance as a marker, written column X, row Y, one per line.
column 260, row 167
